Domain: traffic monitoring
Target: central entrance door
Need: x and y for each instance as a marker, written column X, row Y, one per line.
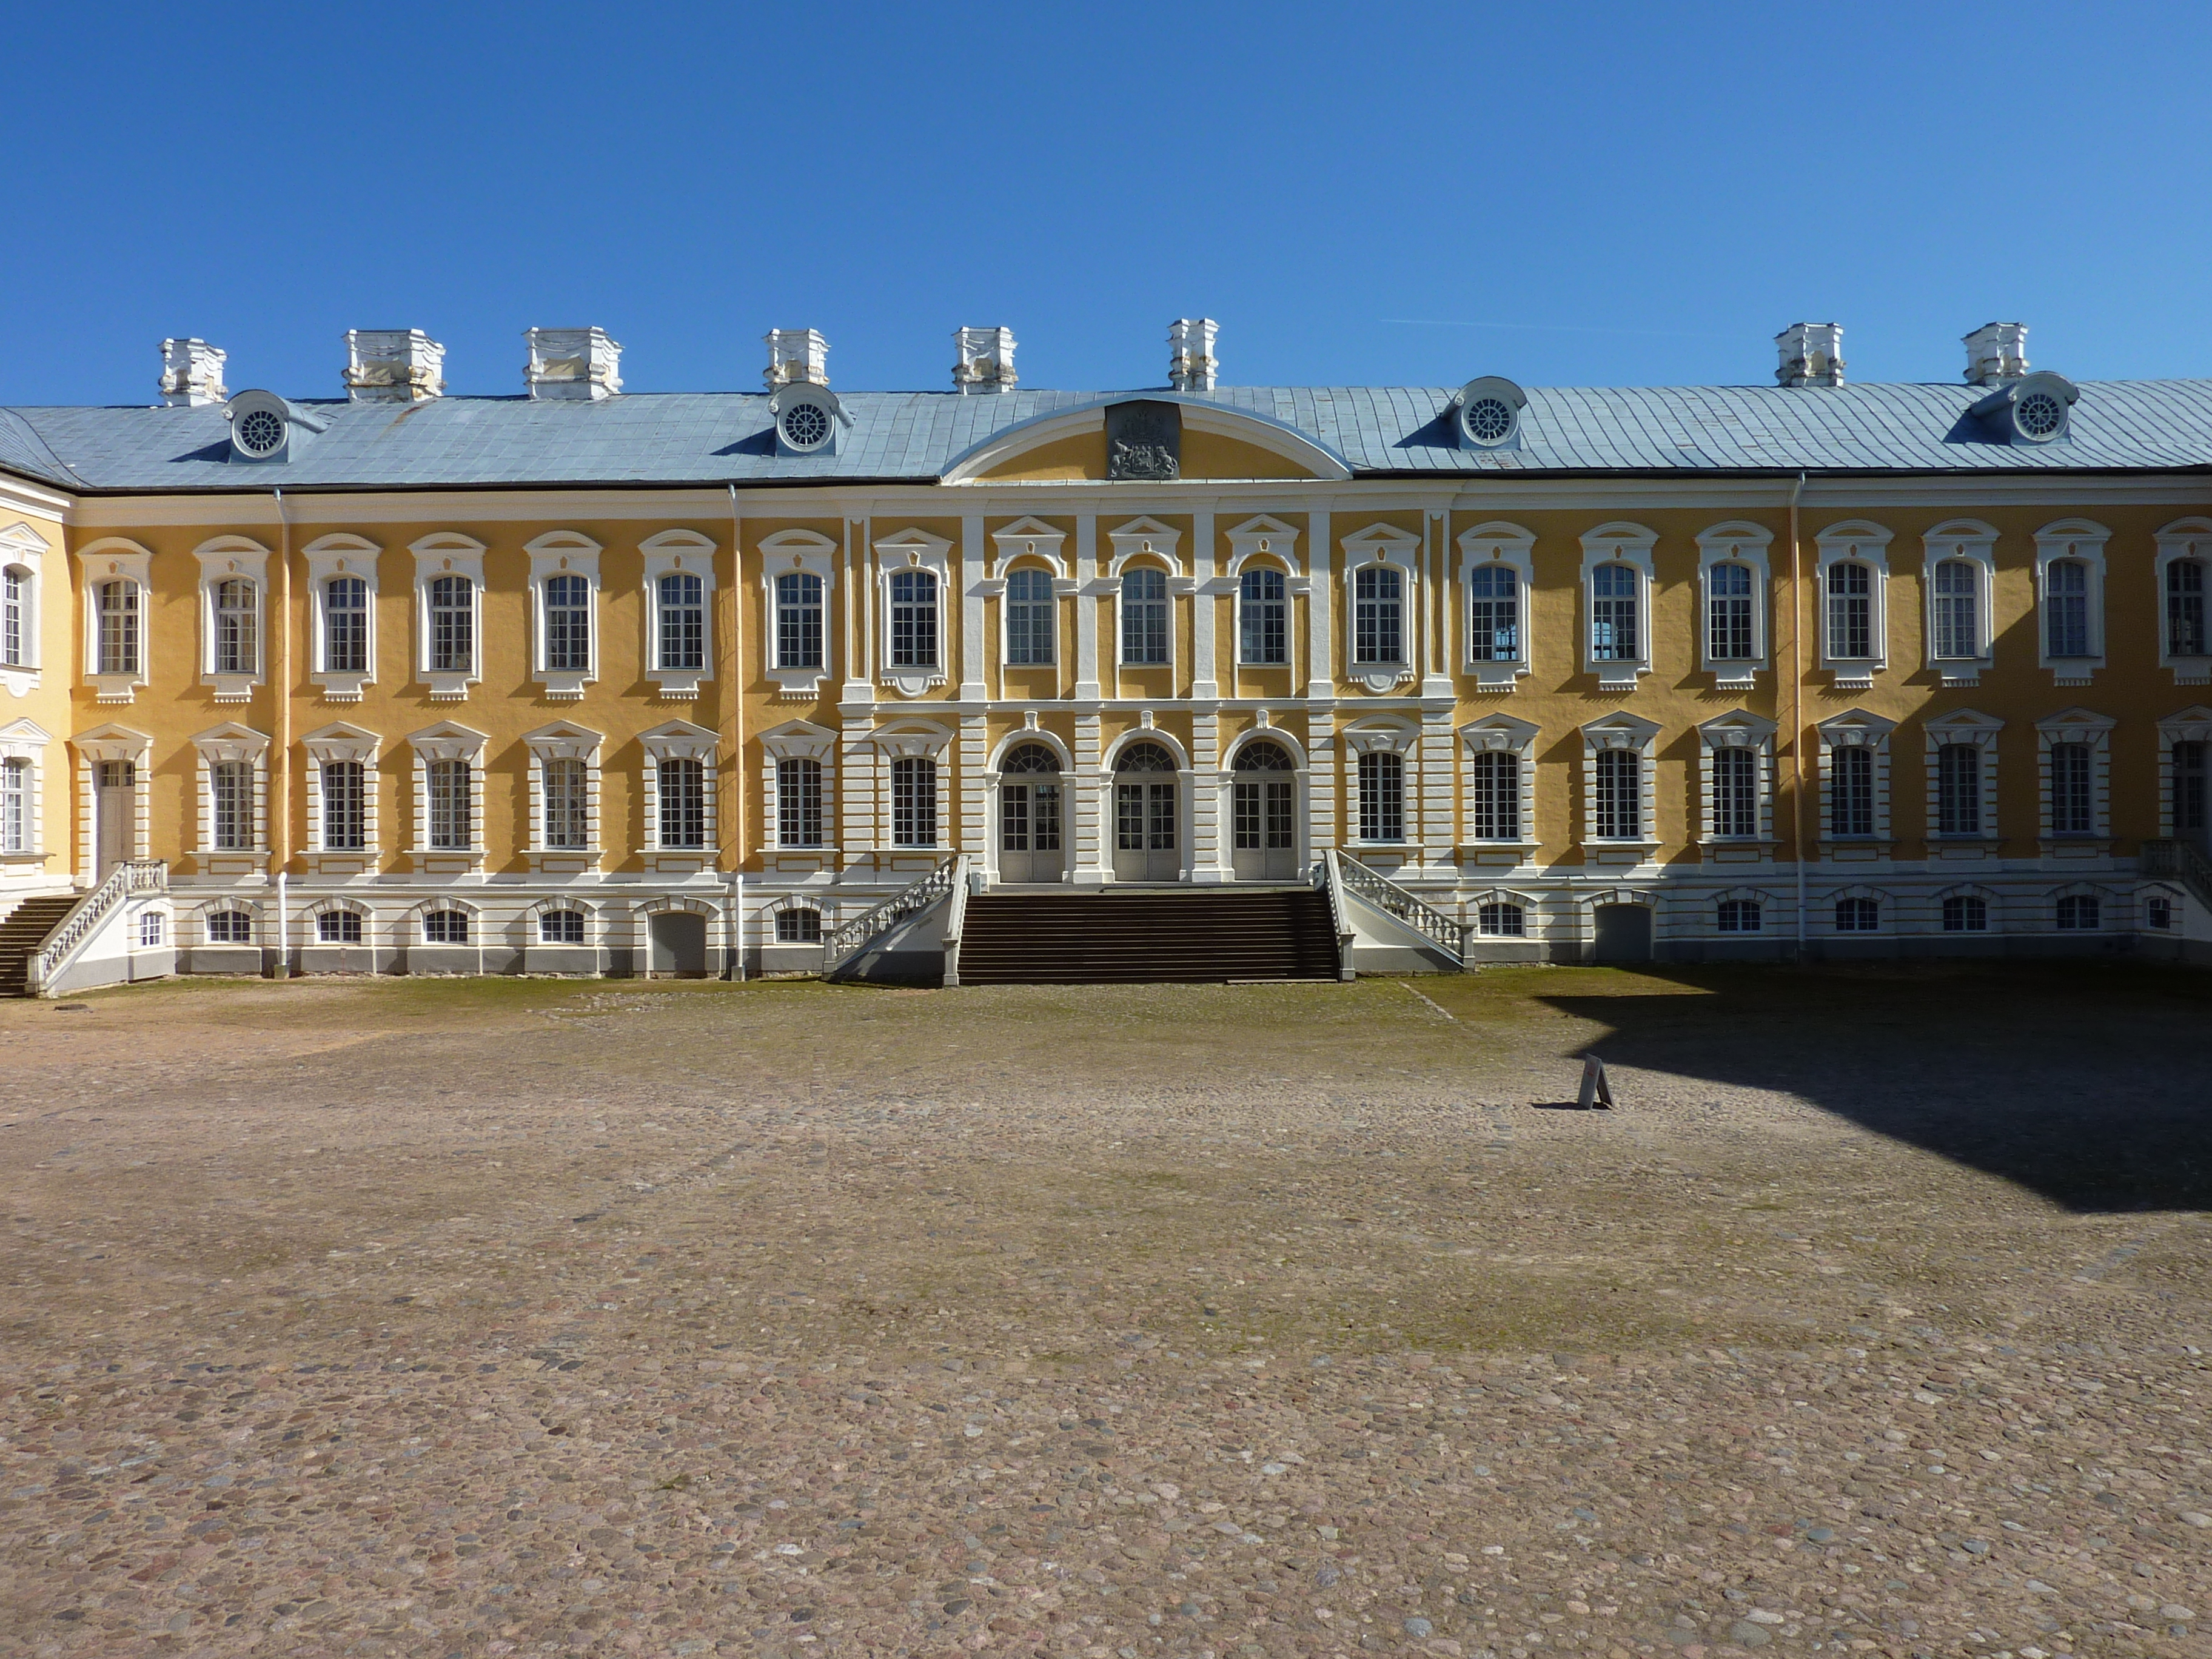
column 1029, row 831
column 1263, row 805
column 1145, row 809
column 115, row 810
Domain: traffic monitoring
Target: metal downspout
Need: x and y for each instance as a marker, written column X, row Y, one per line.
column 736, row 695
column 1797, row 716
column 280, row 770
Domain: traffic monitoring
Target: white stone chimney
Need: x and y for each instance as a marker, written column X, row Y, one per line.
column 1812, row 355
column 1995, row 352
column 191, row 374
column 986, row 359
column 575, row 365
column 393, row 365
column 797, row 355
column 1191, row 364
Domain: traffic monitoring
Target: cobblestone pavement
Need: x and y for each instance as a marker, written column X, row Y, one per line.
column 491, row 1318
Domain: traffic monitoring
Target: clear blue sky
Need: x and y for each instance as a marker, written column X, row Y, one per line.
column 1625, row 194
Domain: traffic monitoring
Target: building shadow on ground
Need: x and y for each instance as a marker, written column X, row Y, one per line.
column 2088, row 1082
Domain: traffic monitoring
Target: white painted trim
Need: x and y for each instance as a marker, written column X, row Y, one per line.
column 564, row 553
column 1855, row 728
column 905, row 550
column 1972, row 542
column 448, row 553
column 2185, row 538
column 666, row 554
column 1633, row 733
column 1736, row 542
column 23, row 550
column 115, row 558
column 327, row 556
column 1628, row 545
column 1386, row 544
column 1853, row 540
column 2071, row 538
column 797, row 552
column 1510, row 547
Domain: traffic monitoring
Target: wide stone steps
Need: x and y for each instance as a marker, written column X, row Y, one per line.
column 1208, row 936
column 22, row 932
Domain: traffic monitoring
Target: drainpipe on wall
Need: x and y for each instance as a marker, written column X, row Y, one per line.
column 280, row 769
column 1796, row 715
column 734, row 929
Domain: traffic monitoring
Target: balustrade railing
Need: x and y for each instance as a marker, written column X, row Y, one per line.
column 2178, row 860
column 1375, row 888
column 848, row 940
column 76, row 929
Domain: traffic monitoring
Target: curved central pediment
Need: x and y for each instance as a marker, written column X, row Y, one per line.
column 1153, row 437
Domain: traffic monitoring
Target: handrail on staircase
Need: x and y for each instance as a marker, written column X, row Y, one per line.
column 76, row 929
column 1441, row 931
column 848, row 940
column 966, row 881
column 2181, row 861
column 1328, row 876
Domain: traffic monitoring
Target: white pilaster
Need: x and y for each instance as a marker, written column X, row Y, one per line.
column 1203, row 685
column 1086, row 608
column 1207, row 862
column 1088, row 788
column 974, row 807
column 971, row 609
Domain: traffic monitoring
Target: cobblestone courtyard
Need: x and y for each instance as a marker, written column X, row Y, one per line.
column 530, row 1317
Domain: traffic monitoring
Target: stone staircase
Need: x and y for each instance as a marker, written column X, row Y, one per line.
column 23, row 930
column 1203, row 935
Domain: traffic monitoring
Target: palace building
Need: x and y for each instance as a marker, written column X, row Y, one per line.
column 588, row 680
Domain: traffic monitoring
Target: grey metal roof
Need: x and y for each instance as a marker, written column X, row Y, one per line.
column 716, row 438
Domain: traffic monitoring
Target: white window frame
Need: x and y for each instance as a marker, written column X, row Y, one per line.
column 418, row 920
column 310, row 924
column 113, row 558
column 1632, row 732
column 1992, row 910
column 329, row 556
column 22, row 554
column 1030, row 539
column 448, row 553
column 2092, row 732
column 680, row 740
column 1528, row 904
column 1265, row 540
column 1500, row 734
column 1854, row 541
column 1972, row 727
column 2083, row 541
column 1147, row 542
column 918, row 740
column 803, row 553
column 232, row 743
column 335, row 745
column 1747, row 544
column 911, row 549
column 564, row 553
column 113, row 742
column 1855, row 728
column 228, row 558
column 1497, row 544
column 1383, row 544
column 2186, row 726
column 670, row 552
column 2185, row 538
column 447, row 741
column 799, row 740
column 1972, row 542
column 1823, row 914
column 1385, row 735
column 25, row 741
column 565, row 740
column 1629, row 545
column 1740, row 729
column 534, row 919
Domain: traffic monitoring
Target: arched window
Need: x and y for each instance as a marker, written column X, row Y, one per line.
column 1730, row 633
column 2073, row 790
column 453, row 624
column 446, row 927
column 1378, row 614
column 117, row 603
column 451, row 811
column 230, row 785
column 338, row 928
column 798, row 801
column 2184, row 609
column 1966, row 913
column 1262, row 636
column 237, row 647
column 682, row 622
column 914, row 619
column 1494, row 796
column 14, row 806
column 1381, row 796
column 1958, row 789
column 1145, row 799
column 568, row 624
column 799, row 925
column 2079, row 913
column 14, row 617
column 1029, row 802
column 914, row 801
column 798, row 620
column 1144, row 615
column 1857, row 915
column 345, row 807
column 567, row 818
column 1030, row 608
column 1850, row 793
column 345, row 625
column 2066, row 609
column 1735, row 791
column 682, row 791
column 561, row 927
column 1616, row 630
column 1263, row 800
column 1740, row 916
column 1500, row 920
column 1031, row 757
column 1958, row 627
column 230, row 927
column 1493, row 621
column 1619, row 795
column 1850, row 611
